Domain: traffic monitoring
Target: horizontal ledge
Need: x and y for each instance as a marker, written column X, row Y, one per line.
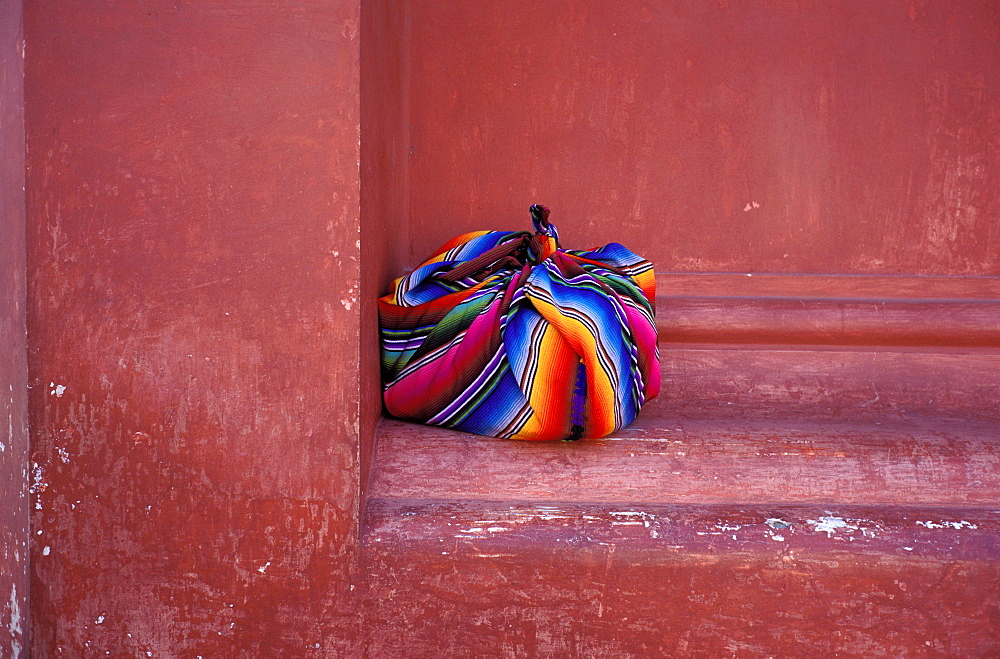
column 828, row 321
column 838, row 286
column 505, row 530
column 748, row 424
column 669, row 460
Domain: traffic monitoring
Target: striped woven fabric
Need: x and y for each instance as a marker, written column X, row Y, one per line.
column 507, row 335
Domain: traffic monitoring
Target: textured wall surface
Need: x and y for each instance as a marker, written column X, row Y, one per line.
column 844, row 137
column 13, row 370
column 193, row 266
column 218, row 189
column 384, row 228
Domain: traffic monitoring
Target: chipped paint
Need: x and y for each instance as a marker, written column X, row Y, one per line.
column 947, row 525
column 832, row 524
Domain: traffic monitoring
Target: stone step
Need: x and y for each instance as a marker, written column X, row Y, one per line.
column 930, row 462
column 604, row 579
column 855, row 310
column 775, row 500
column 762, row 424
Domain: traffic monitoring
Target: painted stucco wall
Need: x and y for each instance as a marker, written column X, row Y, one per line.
column 13, row 369
column 792, row 137
column 193, row 244
column 217, row 190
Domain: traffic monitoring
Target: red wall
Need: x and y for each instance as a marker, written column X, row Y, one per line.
column 217, row 191
column 865, row 131
column 384, row 191
column 193, row 261
column 13, row 370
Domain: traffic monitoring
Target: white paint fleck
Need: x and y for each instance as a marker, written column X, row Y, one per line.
column 38, row 483
column 829, row 525
column 100, row 619
column 46, row 551
column 16, row 632
column 63, row 454
column 908, row 548
column 263, row 568
column 948, row 525
column 57, row 389
column 777, row 537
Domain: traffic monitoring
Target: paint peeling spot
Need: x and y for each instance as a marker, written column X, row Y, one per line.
column 46, row 551
column 829, row 525
column 750, row 206
column 15, row 622
column 63, row 454
column 777, row 537
column 908, row 548
column 38, row 484
column 948, row 525
column 263, row 568
column 777, row 523
column 100, row 620
column 57, row 389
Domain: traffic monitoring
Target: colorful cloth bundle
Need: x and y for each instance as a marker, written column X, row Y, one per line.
column 505, row 334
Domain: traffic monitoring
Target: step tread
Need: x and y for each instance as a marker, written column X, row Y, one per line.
column 768, row 424
column 666, row 460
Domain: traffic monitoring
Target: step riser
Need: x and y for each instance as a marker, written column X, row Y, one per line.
column 829, row 321
column 857, row 384
column 700, row 462
column 595, row 582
